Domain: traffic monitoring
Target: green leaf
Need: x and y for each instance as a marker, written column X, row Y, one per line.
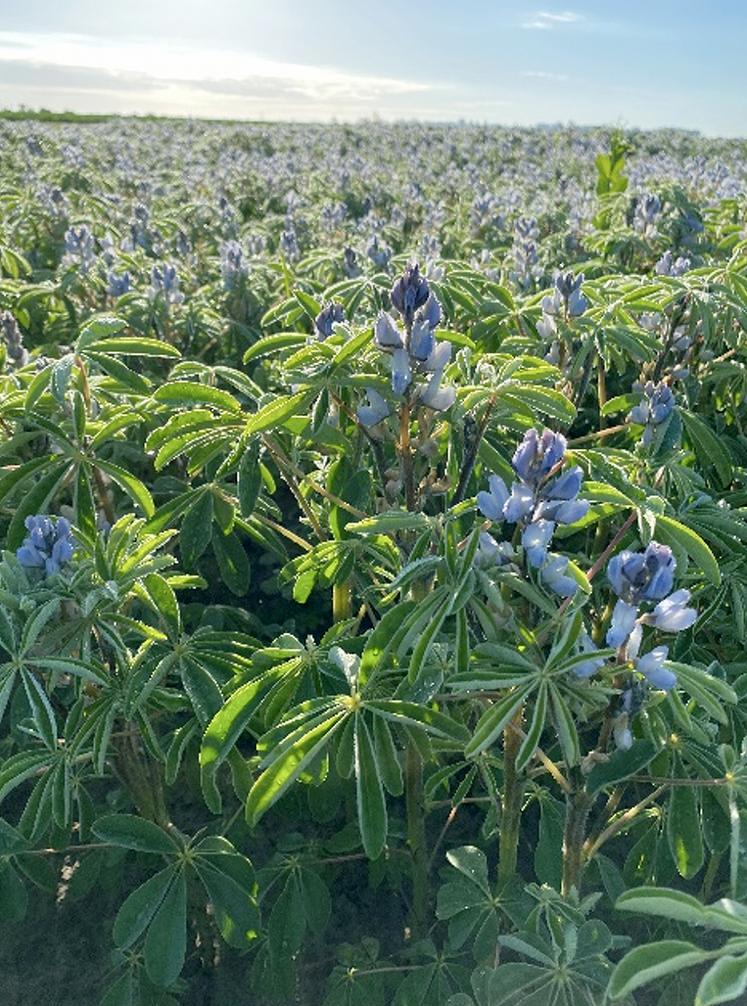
column 194, row 393
column 665, row 902
column 166, row 940
column 709, row 448
column 622, row 764
column 672, row 532
column 288, row 765
column 390, row 522
column 233, row 562
column 653, row 960
column 249, row 480
column 273, row 344
column 131, row 485
column 132, row 832
column 494, row 720
column 196, row 529
column 276, row 412
column 684, row 831
column 234, row 899
column 471, row 862
column 723, row 982
column 372, row 816
column 140, row 907
column 534, row 731
column 164, row 602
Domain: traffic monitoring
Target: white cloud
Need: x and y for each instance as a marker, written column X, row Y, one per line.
column 545, row 20
column 544, row 75
column 182, row 72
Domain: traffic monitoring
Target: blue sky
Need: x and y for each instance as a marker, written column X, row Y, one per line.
column 648, row 64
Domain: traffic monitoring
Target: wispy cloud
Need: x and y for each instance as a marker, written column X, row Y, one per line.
column 545, row 20
column 176, row 72
column 544, row 75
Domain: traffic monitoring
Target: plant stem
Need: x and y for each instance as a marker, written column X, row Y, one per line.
column 405, row 450
column 342, row 601
column 512, row 799
column 578, row 805
column 416, row 837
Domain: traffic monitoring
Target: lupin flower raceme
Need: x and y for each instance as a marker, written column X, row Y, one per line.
column 413, row 351
column 48, row 546
column 567, row 298
column 13, row 339
column 539, row 500
column 118, row 284
column 328, row 317
column 637, row 578
column 656, row 405
column 233, row 267
column 164, row 283
column 668, row 265
column 79, row 248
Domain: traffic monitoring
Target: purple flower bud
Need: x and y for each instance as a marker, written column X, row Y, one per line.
column 410, row 292
column 422, row 342
column 536, row 456
column 642, row 576
column 438, row 359
column 48, row 546
column 326, row 319
column 492, row 553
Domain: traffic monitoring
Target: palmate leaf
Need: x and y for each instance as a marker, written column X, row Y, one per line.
column 646, row 963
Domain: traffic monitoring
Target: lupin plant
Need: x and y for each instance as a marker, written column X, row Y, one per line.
column 320, row 560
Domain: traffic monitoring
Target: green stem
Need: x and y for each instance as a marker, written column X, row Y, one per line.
column 416, row 838
column 578, row 805
column 342, row 601
column 512, row 799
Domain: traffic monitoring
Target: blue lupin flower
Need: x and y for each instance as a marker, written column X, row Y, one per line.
column 327, row 318
column 642, row 576
column 376, row 411
column 672, row 614
column 651, row 666
column 401, row 371
column 410, row 292
column 553, row 576
column 536, row 540
column 536, row 456
column 48, row 546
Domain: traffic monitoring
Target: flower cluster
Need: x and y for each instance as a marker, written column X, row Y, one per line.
column 48, row 546
column 328, row 317
column 539, row 500
column 413, row 351
column 164, row 283
column 566, row 298
column 638, row 578
column 668, row 265
column 647, row 210
column 118, row 284
column 233, row 267
column 527, row 268
column 654, row 408
column 79, row 248
column 13, row 339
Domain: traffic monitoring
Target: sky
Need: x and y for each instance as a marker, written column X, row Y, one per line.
column 642, row 64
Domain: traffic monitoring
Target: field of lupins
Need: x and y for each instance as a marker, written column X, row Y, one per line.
column 373, row 594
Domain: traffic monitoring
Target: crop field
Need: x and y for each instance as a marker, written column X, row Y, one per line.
column 373, row 565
